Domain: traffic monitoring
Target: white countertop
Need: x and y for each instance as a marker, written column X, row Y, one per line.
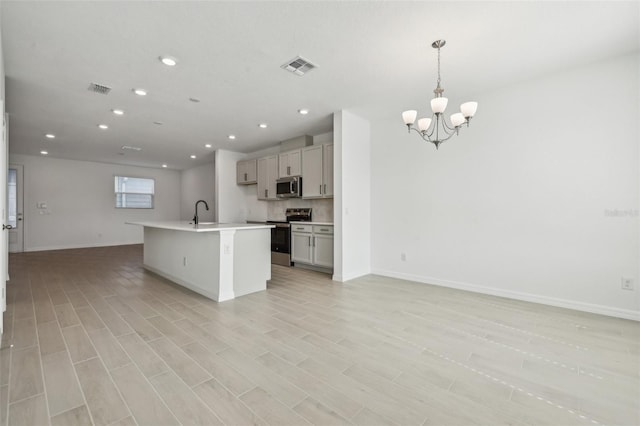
column 187, row 226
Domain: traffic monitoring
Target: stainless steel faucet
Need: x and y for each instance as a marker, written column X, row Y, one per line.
column 195, row 218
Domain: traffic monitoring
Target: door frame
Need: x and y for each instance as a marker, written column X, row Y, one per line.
column 19, row 229
column 4, row 241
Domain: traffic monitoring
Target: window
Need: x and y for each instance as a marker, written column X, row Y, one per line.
column 134, row 193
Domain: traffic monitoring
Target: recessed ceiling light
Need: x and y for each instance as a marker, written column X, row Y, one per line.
column 263, row 125
column 50, row 136
column 195, row 100
column 303, row 111
column 103, row 126
column 207, row 145
column 158, row 123
column 44, row 152
column 168, row 61
column 140, row 92
column 117, row 111
column 164, row 166
column 193, row 157
column 232, row 137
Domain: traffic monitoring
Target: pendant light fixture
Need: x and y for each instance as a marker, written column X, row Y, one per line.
column 436, row 129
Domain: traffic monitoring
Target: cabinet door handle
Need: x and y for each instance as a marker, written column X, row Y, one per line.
column 266, row 191
column 324, row 229
column 245, row 176
column 325, row 188
column 309, row 241
column 289, row 170
column 320, row 188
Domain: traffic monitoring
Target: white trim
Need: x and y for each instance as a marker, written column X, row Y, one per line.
column 349, row 277
column 527, row 297
column 79, row 246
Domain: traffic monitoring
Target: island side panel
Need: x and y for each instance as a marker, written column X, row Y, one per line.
column 252, row 260
column 187, row 258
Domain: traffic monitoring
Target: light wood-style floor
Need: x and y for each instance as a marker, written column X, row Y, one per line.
column 91, row 338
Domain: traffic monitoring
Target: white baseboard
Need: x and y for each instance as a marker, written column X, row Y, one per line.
column 527, row 297
column 348, row 277
column 78, row 246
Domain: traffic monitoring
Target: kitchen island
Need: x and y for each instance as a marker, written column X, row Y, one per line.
column 219, row 261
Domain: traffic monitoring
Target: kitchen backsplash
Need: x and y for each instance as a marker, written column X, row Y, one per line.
column 322, row 208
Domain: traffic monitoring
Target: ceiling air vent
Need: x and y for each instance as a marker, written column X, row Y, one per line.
column 99, row 88
column 131, row 148
column 299, row 66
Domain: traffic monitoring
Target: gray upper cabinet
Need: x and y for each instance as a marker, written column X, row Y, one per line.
column 267, row 175
column 246, row 172
column 289, row 164
column 317, row 171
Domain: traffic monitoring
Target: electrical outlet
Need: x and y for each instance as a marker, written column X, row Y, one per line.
column 403, row 257
column 627, row 283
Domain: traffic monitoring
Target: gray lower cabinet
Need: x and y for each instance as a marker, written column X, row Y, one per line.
column 301, row 249
column 312, row 245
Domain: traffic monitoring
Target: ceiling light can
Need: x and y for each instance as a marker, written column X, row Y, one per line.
column 117, row 111
column 44, row 152
column 232, row 137
column 263, row 125
column 103, row 126
column 193, row 157
column 50, row 136
column 303, row 111
column 140, row 92
column 168, row 61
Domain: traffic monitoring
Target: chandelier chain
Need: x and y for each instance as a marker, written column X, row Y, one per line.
column 438, row 66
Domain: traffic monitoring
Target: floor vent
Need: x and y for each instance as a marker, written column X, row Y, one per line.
column 99, row 88
column 299, row 66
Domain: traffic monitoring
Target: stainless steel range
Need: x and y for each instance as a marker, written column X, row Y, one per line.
column 281, row 235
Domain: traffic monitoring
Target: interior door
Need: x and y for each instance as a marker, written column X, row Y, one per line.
column 15, row 208
column 4, row 257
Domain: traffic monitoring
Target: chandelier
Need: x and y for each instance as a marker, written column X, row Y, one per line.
column 436, row 129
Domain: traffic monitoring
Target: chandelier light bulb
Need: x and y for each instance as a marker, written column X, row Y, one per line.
column 409, row 117
column 438, row 105
column 469, row 109
column 457, row 119
column 423, row 124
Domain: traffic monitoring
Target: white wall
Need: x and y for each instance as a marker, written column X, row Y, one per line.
column 80, row 200
column 520, row 203
column 197, row 183
column 352, row 196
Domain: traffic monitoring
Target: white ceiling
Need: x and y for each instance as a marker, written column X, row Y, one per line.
column 374, row 58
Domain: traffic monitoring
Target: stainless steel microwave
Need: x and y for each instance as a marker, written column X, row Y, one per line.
column 289, row 187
